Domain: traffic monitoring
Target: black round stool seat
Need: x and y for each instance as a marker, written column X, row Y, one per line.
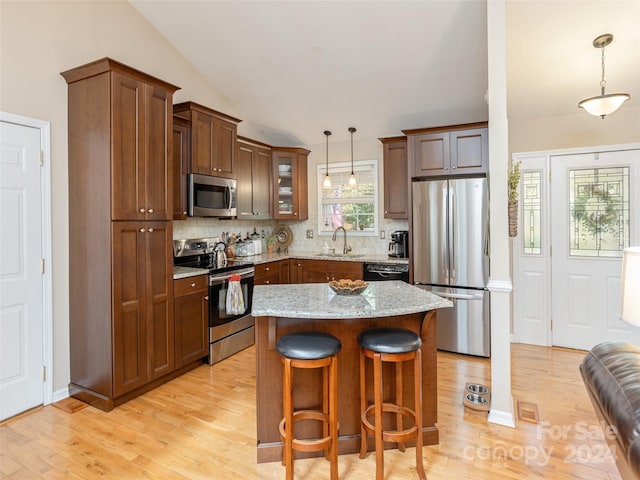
column 308, row 345
column 389, row 340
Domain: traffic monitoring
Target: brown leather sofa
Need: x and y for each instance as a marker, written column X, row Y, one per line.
column 611, row 374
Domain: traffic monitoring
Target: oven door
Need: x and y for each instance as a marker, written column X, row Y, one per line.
column 221, row 323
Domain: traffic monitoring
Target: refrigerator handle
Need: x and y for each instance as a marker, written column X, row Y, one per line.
column 461, row 296
column 452, row 234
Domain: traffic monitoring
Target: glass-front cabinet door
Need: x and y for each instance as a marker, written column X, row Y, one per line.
column 290, row 183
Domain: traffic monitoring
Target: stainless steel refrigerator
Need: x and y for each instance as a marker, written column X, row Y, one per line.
column 450, row 258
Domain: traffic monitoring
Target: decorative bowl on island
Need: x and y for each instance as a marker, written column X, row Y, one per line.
column 348, row 287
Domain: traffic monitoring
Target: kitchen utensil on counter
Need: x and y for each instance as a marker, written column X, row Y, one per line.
column 219, row 254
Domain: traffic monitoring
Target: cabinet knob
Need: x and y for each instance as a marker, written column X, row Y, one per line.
column 142, row 230
column 207, row 298
column 446, row 168
column 454, row 167
column 150, row 230
column 142, row 210
column 266, row 269
column 295, row 213
column 150, row 210
column 386, row 212
column 184, row 213
column 266, row 282
column 193, row 285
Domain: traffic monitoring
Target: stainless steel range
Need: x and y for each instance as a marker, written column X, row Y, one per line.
column 228, row 333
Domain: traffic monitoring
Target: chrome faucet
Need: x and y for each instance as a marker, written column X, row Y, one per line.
column 346, row 248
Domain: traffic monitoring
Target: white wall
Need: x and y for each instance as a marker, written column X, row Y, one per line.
column 38, row 41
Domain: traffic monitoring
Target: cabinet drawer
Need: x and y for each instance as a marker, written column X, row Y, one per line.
column 185, row 286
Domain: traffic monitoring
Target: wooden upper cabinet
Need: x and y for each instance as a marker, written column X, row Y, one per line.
column 181, row 142
column 253, row 162
column 213, row 139
column 396, row 177
column 290, row 193
column 141, row 167
column 453, row 150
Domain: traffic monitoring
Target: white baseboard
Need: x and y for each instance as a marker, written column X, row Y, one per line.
column 501, row 418
column 60, row 395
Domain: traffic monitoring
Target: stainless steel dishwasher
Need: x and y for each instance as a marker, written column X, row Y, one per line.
column 377, row 272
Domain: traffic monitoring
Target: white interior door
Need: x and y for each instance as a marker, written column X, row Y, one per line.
column 593, row 218
column 21, row 280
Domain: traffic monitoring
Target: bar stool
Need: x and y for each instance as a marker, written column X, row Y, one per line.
column 310, row 350
column 387, row 344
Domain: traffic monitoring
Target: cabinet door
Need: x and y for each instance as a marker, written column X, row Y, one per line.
column 225, row 147
column 267, row 274
column 245, row 162
column 202, row 144
column 430, row 154
column 159, row 290
column 158, row 154
column 191, row 319
column 261, row 186
column 469, row 151
column 284, row 271
column 128, row 154
column 129, row 306
column 181, row 141
column 290, row 185
column 396, row 193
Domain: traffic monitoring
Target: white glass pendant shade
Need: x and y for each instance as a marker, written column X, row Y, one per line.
column 327, row 181
column 352, row 180
column 604, row 104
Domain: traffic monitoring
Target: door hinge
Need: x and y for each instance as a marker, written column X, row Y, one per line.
column 41, row 158
column 44, row 373
column 552, row 324
column 42, row 265
column 551, row 250
column 549, row 176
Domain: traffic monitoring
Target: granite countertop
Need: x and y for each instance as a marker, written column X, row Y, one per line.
column 183, row 272
column 317, row 300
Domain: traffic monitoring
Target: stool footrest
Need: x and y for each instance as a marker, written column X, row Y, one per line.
column 311, row 444
column 395, row 436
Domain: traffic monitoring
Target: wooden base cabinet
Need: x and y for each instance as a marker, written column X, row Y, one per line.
column 191, row 306
column 272, row 273
column 120, row 233
column 321, row 271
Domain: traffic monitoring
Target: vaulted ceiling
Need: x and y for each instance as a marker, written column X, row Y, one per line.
column 292, row 69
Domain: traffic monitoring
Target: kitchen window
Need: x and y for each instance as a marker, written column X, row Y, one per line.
column 353, row 207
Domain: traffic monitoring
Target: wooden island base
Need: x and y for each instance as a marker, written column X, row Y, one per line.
column 308, row 383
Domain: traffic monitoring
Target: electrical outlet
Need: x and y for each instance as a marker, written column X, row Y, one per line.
column 382, row 234
column 309, row 233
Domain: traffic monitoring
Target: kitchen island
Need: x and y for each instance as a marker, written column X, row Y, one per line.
column 283, row 309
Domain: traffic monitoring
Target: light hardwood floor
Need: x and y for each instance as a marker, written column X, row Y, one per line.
column 202, row 426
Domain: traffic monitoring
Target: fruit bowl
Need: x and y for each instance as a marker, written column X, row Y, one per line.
column 348, row 287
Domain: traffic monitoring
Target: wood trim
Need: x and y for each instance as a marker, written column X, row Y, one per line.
column 107, row 64
column 183, row 109
column 448, row 128
column 252, row 142
column 399, row 138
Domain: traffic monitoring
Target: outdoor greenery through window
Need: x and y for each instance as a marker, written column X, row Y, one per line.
column 353, row 207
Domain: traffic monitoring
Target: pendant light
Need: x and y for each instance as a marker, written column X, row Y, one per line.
column 603, row 105
column 352, row 177
column 327, row 181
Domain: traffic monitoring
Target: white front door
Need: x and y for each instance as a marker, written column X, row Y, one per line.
column 21, row 280
column 593, row 218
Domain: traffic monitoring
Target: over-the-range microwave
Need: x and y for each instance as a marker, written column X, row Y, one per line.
column 211, row 196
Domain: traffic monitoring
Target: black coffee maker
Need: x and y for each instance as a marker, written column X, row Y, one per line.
column 399, row 244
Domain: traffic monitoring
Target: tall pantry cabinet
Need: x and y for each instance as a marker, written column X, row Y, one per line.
column 120, row 233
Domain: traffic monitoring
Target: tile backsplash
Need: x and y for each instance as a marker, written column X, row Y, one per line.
column 197, row 227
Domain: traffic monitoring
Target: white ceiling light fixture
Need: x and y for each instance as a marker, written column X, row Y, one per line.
column 352, row 177
column 603, row 105
column 327, row 181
